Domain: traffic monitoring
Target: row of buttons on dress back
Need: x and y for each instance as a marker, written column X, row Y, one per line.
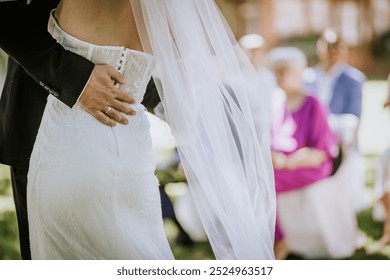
column 120, row 62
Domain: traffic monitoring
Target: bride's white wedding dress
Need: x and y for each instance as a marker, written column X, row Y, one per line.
column 92, row 192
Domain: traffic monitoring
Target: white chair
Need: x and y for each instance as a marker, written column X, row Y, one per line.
column 319, row 221
column 346, row 127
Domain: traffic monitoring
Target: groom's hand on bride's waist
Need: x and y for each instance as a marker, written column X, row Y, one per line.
column 103, row 99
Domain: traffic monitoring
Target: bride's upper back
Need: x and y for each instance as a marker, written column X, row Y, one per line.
column 101, row 22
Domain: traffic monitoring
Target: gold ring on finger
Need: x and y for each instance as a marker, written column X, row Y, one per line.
column 108, row 110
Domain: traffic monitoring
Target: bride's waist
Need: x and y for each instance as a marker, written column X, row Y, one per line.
column 135, row 66
column 60, row 114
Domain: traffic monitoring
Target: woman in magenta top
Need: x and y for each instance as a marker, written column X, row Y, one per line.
column 303, row 145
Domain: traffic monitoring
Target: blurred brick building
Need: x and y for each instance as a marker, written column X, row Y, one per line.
column 361, row 22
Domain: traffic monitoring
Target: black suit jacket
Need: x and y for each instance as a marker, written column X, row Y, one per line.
column 37, row 66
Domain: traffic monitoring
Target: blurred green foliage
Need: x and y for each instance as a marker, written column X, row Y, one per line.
column 307, row 44
column 166, row 176
column 5, row 190
column 9, row 242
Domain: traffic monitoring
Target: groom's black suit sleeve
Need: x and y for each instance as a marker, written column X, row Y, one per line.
column 25, row 39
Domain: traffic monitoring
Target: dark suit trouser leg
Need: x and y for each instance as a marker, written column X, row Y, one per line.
column 19, row 188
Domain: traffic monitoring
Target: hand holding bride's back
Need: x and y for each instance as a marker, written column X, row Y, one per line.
column 103, row 100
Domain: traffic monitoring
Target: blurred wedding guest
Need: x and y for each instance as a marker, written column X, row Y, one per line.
column 303, row 144
column 382, row 188
column 254, row 47
column 335, row 82
column 338, row 85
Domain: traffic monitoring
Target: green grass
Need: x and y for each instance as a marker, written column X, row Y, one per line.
column 373, row 231
column 200, row 251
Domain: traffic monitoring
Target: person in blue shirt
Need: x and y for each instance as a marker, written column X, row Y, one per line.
column 339, row 86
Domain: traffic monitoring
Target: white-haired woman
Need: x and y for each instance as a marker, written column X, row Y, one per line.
column 303, row 144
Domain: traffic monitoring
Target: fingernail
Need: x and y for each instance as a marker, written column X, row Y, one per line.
column 125, row 122
column 133, row 113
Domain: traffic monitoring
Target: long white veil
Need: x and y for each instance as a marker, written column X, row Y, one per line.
column 205, row 82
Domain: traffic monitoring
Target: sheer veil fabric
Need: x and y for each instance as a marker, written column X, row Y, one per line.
column 205, row 82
